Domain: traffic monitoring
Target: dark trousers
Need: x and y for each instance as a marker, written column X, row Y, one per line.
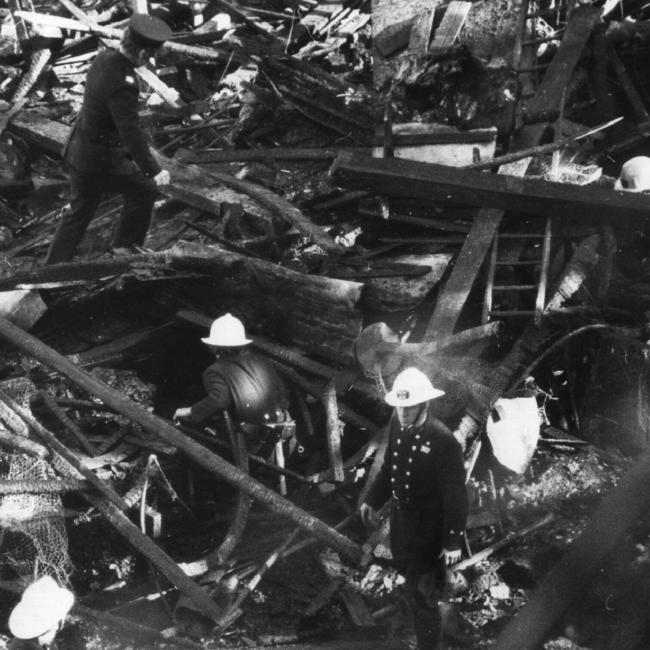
column 86, row 190
column 424, row 588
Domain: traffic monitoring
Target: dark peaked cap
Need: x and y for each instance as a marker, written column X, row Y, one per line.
column 148, row 31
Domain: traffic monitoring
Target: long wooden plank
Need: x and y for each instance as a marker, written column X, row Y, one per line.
column 451, row 24
column 456, row 290
column 397, row 177
column 420, row 35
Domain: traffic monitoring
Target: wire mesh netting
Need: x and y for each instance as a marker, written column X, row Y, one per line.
column 33, row 538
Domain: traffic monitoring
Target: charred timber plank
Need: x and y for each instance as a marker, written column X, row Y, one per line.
column 451, row 24
column 411, row 179
column 183, row 173
column 617, row 514
column 394, row 37
column 421, row 32
column 75, row 271
column 276, row 153
column 454, row 294
column 46, row 134
column 196, row 452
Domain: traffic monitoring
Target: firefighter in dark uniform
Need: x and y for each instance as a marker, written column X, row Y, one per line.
column 240, row 382
column 424, row 475
column 107, row 150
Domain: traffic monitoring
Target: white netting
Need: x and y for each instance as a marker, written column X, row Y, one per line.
column 33, row 538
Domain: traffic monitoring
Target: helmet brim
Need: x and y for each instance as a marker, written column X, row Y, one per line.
column 392, row 398
column 221, row 344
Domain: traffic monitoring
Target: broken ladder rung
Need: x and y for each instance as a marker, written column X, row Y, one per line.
column 514, row 312
column 513, row 287
column 519, row 263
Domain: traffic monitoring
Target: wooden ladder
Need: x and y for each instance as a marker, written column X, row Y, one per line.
column 532, row 31
column 493, row 286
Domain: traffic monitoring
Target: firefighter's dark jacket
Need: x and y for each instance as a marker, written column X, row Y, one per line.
column 245, row 384
column 108, row 124
column 424, row 474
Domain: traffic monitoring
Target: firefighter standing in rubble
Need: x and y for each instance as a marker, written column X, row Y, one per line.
column 424, row 476
column 240, row 382
column 107, row 150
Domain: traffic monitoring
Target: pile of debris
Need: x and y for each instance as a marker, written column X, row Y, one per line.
column 367, row 186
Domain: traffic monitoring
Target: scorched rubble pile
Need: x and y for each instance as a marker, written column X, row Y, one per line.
column 367, row 186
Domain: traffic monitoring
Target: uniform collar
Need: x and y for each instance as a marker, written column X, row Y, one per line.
column 417, row 426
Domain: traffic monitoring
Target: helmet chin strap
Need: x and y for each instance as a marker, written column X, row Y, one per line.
column 421, row 416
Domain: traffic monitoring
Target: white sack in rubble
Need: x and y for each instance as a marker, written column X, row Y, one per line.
column 513, row 430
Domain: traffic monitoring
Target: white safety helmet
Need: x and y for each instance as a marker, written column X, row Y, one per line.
column 228, row 332
column 411, row 387
column 42, row 607
column 635, row 175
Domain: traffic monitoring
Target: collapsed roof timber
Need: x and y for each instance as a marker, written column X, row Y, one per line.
column 368, row 187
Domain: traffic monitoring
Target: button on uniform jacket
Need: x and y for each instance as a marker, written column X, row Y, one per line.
column 108, row 124
column 424, row 474
column 247, row 384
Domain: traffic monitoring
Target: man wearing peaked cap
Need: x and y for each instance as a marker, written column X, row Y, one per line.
column 423, row 475
column 107, row 150
column 148, row 31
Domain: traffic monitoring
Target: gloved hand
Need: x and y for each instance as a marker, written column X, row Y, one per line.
column 183, row 413
column 451, row 557
column 368, row 516
column 162, row 177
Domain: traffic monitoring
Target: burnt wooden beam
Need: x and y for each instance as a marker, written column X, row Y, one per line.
column 276, row 153
column 278, row 205
column 451, row 24
column 46, row 134
column 439, row 137
column 410, row 179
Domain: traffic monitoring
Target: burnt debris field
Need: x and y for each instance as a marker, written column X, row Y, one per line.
column 458, row 186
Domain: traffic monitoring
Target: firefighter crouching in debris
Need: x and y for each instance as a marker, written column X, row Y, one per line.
column 242, row 383
column 424, row 475
column 107, row 150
